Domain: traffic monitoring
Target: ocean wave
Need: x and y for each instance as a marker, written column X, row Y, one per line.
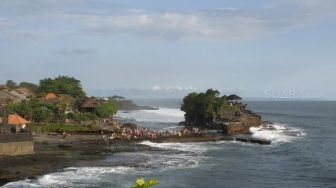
column 173, row 112
column 167, row 161
column 162, row 115
column 277, row 133
column 175, row 155
column 186, row 147
column 72, row 177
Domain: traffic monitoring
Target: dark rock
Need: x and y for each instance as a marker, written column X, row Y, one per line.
column 252, row 140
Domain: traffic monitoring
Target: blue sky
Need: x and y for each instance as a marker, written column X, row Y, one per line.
column 270, row 48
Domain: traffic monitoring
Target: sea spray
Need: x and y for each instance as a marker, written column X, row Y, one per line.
column 277, row 133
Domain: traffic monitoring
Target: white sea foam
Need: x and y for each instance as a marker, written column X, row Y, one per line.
column 178, row 155
column 162, row 115
column 72, row 177
column 187, row 147
column 277, row 133
column 173, row 112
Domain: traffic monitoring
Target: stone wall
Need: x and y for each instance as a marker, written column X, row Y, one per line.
column 17, row 148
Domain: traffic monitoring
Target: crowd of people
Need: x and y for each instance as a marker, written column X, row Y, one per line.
column 128, row 133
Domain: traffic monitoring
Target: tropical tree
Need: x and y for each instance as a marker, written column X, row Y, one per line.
column 62, row 85
column 23, row 109
column 205, row 108
column 106, row 109
column 28, row 85
column 11, row 84
column 42, row 114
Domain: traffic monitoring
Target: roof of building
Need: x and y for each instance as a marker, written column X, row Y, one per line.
column 24, row 91
column 8, row 95
column 51, row 96
column 15, row 119
column 18, row 95
column 91, row 102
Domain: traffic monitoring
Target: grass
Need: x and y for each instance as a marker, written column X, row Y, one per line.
column 68, row 128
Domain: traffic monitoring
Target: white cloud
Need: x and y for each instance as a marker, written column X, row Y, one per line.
column 221, row 23
column 156, row 88
column 176, row 88
column 173, row 25
column 217, row 23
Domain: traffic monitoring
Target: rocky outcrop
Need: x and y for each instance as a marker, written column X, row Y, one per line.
column 241, row 125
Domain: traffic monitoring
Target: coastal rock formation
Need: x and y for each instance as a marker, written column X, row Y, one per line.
column 209, row 110
column 242, row 126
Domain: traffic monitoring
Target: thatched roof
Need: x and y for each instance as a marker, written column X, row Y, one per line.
column 18, row 95
column 25, row 91
column 91, row 103
column 8, row 95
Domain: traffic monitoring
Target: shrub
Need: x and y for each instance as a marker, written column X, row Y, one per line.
column 68, row 128
column 141, row 183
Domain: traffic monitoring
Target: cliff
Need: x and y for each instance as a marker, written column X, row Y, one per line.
column 130, row 105
column 242, row 126
column 209, row 110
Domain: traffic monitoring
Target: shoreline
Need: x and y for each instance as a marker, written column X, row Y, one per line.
column 54, row 153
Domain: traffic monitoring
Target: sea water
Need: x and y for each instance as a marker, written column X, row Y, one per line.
column 302, row 153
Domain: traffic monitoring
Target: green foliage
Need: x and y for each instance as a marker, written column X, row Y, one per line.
column 42, row 114
column 106, row 110
column 37, row 111
column 11, row 84
column 60, row 128
column 23, row 109
column 28, row 85
column 204, row 108
column 64, row 103
column 32, row 127
column 141, row 183
column 80, row 117
column 62, row 85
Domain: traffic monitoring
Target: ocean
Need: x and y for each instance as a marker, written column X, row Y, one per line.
column 302, row 153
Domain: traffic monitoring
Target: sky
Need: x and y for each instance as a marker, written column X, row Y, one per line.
column 256, row 48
